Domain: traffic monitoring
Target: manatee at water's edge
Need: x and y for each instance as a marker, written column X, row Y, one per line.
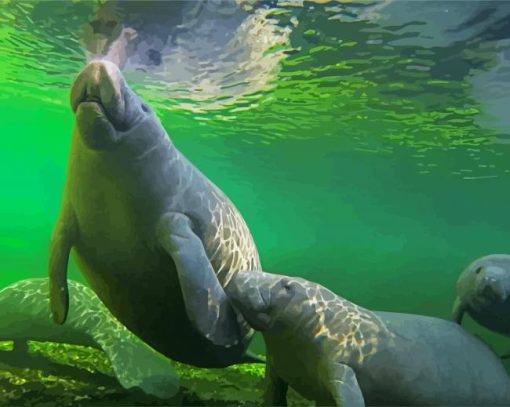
column 337, row 353
column 155, row 239
column 24, row 315
column 483, row 291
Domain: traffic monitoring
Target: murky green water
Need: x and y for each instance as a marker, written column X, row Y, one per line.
column 366, row 144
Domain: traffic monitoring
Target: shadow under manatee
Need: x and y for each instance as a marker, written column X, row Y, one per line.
column 92, row 387
column 30, row 377
column 21, row 357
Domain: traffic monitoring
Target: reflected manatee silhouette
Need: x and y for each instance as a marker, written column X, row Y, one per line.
column 199, row 50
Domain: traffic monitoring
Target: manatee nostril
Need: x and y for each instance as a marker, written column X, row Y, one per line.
column 145, row 108
column 478, row 270
column 92, row 92
column 91, row 98
column 102, row 82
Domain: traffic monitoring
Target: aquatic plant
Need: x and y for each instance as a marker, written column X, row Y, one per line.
column 72, row 375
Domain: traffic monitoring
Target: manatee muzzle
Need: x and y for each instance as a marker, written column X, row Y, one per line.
column 494, row 284
column 96, row 130
column 494, row 290
column 249, row 295
column 104, row 104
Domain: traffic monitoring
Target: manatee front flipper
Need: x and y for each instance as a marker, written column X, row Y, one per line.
column 343, row 385
column 206, row 304
column 275, row 393
column 60, row 247
column 458, row 310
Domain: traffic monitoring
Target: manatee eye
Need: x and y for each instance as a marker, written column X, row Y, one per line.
column 478, row 270
column 145, row 107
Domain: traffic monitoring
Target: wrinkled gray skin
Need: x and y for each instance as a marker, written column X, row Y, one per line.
column 24, row 315
column 483, row 291
column 155, row 239
column 332, row 351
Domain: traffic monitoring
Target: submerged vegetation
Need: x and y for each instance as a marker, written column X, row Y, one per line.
column 52, row 374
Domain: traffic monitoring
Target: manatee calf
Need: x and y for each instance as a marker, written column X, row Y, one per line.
column 24, row 315
column 335, row 352
column 483, row 291
column 155, row 239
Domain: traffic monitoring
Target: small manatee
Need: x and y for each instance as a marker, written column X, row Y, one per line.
column 337, row 353
column 483, row 291
column 25, row 315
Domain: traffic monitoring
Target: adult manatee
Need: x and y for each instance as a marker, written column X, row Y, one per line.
column 155, row 239
column 338, row 353
column 483, row 291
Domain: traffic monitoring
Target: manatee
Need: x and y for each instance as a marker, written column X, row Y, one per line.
column 154, row 238
column 483, row 291
column 337, row 353
column 24, row 315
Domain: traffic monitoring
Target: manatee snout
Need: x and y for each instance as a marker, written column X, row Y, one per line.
column 250, row 296
column 493, row 285
column 104, row 104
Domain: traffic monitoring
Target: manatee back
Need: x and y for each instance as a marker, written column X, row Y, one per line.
column 444, row 363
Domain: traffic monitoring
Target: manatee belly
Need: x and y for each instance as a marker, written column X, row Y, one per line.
column 115, row 254
column 138, row 283
column 150, row 304
column 117, row 208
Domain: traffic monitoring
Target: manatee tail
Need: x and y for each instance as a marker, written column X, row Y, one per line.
column 25, row 314
column 250, row 357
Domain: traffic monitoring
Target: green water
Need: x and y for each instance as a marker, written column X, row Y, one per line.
column 374, row 167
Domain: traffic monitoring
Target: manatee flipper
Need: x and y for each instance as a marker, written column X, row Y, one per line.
column 275, row 393
column 60, row 247
column 343, row 385
column 24, row 315
column 458, row 310
column 207, row 305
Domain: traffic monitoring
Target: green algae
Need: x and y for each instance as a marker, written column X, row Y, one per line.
column 70, row 375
